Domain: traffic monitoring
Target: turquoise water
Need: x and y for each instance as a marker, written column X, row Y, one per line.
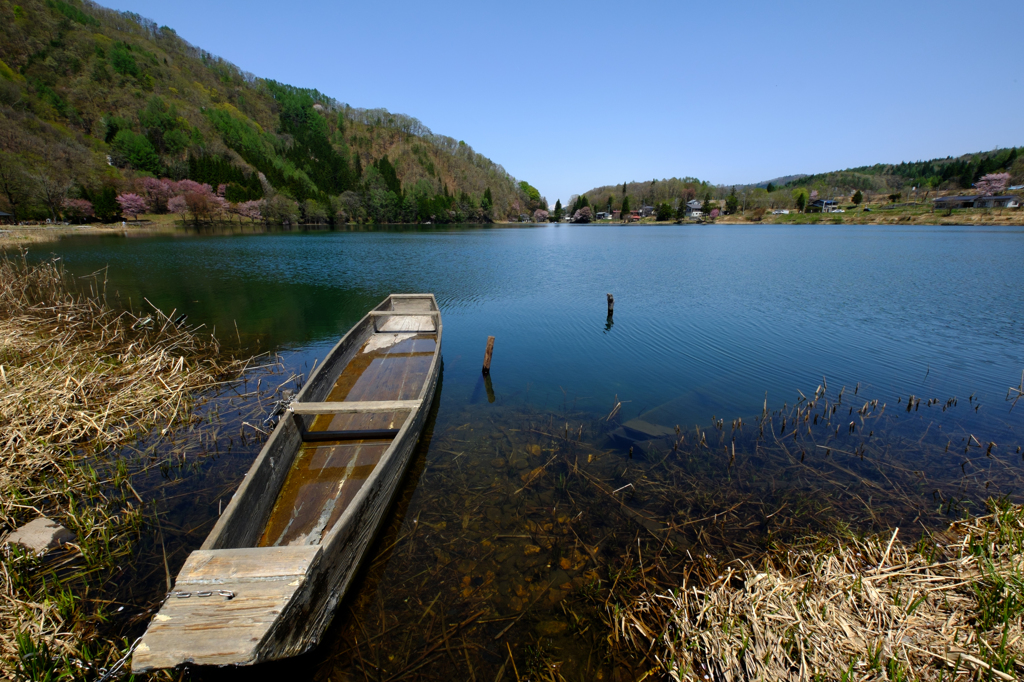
column 522, row 511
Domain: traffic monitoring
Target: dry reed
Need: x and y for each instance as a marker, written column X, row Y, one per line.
column 77, row 378
column 861, row 610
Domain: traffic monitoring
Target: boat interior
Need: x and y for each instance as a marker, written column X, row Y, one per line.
column 341, row 449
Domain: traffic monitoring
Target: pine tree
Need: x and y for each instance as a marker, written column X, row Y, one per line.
column 858, row 197
column 625, row 208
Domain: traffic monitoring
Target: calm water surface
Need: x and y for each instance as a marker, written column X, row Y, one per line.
column 496, row 522
column 707, row 318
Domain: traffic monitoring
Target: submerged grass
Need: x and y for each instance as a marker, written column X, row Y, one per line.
column 77, row 380
column 535, row 546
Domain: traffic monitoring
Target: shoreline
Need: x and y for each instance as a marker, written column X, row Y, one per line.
column 23, row 235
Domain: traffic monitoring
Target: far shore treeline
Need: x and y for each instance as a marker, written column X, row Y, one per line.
column 983, row 173
column 105, row 115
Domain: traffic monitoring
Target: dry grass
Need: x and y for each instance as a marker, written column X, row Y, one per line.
column 875, row 609
column 78, row 379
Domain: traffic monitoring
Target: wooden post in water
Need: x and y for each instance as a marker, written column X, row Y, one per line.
column 487, row 354
column 611, row 305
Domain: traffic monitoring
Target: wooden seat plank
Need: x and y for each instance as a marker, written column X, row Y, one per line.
column 213, row 567
column 387, row 406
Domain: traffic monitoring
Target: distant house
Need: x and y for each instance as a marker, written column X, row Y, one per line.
column 616, row 214
column 647, row 211
column 977, row 201
column 634, row 216
column 955, row 202
column 693, row 209
column 4, row 217
column 823, row 206
column 1003, row 201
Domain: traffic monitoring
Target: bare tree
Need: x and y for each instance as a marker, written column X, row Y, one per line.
column 15, row 184
column 52, row 188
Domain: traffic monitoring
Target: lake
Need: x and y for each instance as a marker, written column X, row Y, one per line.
column 522, row 506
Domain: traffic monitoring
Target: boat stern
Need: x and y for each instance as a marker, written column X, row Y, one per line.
column 225, row 607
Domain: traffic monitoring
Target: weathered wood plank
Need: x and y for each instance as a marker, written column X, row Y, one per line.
column 217, row 631
column 206, row 567
column 407, row 323
column 355, row 406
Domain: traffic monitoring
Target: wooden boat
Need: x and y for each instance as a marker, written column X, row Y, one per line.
column 265, row 582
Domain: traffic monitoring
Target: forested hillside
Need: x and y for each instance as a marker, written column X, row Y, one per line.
column 98, row 105
column 644, row 193
column 950, row 173
column 909, row 181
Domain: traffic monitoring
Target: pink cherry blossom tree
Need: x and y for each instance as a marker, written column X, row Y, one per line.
column 583, row 215
column 157, row 192
column 132, row 204
column 178, row 205
column 78, row 209
column 191, row 186
column 992, row 184
column 540, row 216
column 250, row 210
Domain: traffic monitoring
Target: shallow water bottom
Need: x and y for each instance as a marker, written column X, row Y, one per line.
column 519, row 533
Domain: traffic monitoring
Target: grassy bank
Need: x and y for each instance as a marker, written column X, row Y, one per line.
column 948, row 608
column 79, row 379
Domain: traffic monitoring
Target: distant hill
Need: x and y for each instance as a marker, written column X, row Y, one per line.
column 93, row 100
column 948, row 174
column 939, row 174
column 644, row 193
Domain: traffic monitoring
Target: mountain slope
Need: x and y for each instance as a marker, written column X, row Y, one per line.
column 92, row 100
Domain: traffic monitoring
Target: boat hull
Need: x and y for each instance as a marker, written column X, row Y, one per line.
column 237, row 603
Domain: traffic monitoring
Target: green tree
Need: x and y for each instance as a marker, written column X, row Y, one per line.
column 858, row 197
column 770, row 188
column 558, row 210
column 531, row 192
column 134, row 150
column 625, row 208
column 664, row 211
column 105, row 204
column 800, row 197
column 732, row 202
column 387, row 171
column 707, row 205
column 122, row 61
column 609, row 204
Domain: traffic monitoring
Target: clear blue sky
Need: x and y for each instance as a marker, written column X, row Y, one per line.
column 571, row 95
